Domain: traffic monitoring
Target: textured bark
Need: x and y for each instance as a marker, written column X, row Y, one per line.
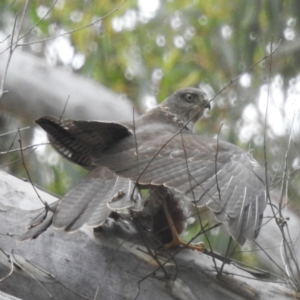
column 112, row 261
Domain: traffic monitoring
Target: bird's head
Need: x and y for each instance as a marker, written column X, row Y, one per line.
column 186, row 105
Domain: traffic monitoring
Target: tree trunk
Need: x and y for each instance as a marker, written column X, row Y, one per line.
column 36, row 89
column 110, row 264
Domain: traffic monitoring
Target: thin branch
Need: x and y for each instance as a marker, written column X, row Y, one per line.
column 36, row 24
column 194, row 200
column 265, row 132
column 74, row 30
column 11, row 50
column 7, row 7
column 136, row 150
column 5, row 39
column 56, row 280
column 29, row 178
column 31, row 275
column 24, row 148
column 227, row 256
column 270, row 257
column 16, row 160
column 65, row 106
column 246, row 70
column 11, row 267
column 286, row 247
column 216, row 168
column 22, row 20
column 12, row 46
column 13, row 141
column 14, row 131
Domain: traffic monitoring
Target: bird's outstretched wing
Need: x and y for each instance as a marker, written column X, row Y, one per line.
column 78, row 140
column 89, row 202
column 101, row 191
column 208, row 172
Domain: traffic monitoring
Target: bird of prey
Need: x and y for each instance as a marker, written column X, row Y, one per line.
column 158, row 151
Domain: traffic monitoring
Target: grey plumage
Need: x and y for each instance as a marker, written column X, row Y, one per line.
column 159, row 149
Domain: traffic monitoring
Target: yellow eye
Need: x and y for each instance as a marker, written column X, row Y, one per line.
column 189, row 97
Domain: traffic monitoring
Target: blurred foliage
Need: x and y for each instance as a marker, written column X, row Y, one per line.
column 183, row 43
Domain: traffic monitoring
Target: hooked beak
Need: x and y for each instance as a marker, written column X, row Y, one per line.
column 206, row 104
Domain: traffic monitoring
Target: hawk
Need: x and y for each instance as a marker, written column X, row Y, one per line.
column 158, row 151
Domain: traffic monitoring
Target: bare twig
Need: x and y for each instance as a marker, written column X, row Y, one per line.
column 14, row 161
column 76, row 29
column 270, row 258
column 22, row 19
column 11, row 50
column 5, row 39
column 137, row 152
column 55, row 279
column 29, row 178
column 36, row 24
column 61, row 116
column 194, row 200
column 288, row 252
column 24, row 148
column 11, row 266
column 246, row 70
column 15, row 262
column 227, row 256
column 14, row 131
column 14, row 44
column 12, row 47
column 7, row 7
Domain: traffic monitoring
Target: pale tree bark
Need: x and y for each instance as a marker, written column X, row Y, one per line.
column 36, row 89
column 113, row 261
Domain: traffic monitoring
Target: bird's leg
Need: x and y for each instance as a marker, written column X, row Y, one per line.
column 176, row 240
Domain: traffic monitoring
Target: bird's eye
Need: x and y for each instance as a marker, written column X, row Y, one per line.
column 189, row 97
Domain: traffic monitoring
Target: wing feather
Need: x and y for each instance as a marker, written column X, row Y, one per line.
column 214, row 173
column 78, row 140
